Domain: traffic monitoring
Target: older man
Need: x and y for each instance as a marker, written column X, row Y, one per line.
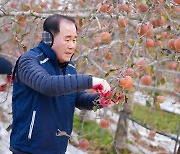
column 47, row 89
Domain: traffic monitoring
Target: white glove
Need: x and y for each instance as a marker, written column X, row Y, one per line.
column 100, row 85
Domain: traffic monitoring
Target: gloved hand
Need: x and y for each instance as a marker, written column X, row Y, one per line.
column 101, row 86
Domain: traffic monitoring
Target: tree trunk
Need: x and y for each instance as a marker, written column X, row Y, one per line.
column 122, row 127
column 178, row 150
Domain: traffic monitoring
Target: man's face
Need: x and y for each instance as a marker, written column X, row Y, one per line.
column 65, row 41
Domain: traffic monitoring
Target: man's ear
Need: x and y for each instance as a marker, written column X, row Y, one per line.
column 48, row 38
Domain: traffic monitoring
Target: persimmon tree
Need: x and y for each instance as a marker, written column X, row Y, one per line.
column 134, row 44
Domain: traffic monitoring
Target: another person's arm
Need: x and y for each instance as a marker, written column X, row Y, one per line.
column 5, row 66
column 5, row 71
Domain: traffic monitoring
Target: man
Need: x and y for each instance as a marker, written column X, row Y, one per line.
column 5, row 71
column 46, row 90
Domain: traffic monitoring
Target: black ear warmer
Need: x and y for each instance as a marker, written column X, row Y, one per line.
column 48, row 38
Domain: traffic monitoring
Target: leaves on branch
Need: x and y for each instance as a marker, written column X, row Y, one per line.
column 148, row 104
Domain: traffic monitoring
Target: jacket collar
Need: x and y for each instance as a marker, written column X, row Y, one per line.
column 48, row 51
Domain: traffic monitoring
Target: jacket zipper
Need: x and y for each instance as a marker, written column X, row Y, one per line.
column 31, row 125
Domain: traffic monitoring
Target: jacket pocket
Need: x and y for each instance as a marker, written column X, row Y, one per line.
column 31, row 125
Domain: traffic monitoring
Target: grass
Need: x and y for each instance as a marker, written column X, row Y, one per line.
column 101, row 140
column 156, row 119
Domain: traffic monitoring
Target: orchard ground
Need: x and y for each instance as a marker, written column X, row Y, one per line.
column 158, row 140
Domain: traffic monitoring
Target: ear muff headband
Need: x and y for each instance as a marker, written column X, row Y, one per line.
column 47, row 38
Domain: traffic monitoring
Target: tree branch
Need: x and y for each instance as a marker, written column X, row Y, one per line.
column 96, row 65
column 72, row 14
column 85, row 54
column 156, row 62
column 168, row 71
column 150, row 88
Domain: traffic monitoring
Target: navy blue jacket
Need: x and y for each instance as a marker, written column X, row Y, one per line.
column 45, row 95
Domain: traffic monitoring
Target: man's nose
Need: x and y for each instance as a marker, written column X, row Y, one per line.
column 72, row 45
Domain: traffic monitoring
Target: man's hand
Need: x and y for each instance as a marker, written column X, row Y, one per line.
column 101, row 86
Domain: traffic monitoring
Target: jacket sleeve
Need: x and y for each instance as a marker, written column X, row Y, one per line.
column 30, row 73
column 86, row 101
